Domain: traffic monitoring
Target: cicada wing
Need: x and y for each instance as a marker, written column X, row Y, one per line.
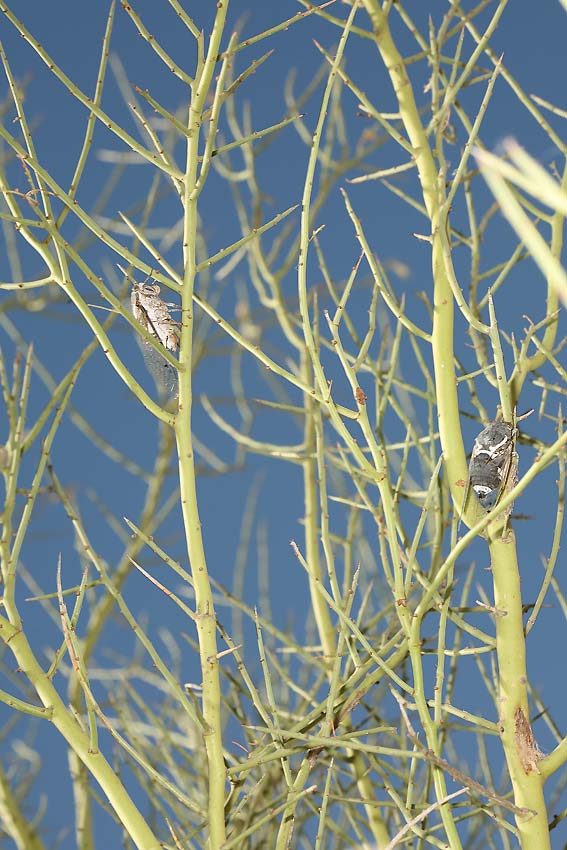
column 163, row 373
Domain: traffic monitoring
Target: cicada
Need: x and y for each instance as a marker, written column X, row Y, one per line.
column 490, row 462
column 493, row 464
column 154, row 315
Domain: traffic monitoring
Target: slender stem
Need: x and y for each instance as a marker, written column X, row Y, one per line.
column 527, row 781
column 443, row 303
column 205, row 612
column 14, row 822
column 130, row 816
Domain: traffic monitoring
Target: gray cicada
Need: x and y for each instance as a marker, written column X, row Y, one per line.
column 153, row 314
column 493, row 464
column 490, row 462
